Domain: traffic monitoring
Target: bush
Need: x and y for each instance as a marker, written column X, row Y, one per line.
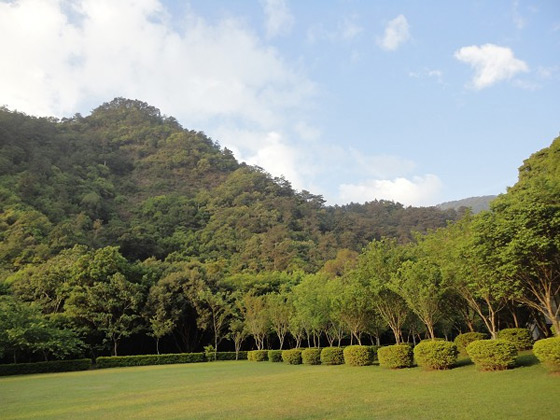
column 358, row 355
column 435, row 354
column 275, row 355
column 492, row 354
column 45, row 367
column 463, row 340
column 257, row 355
column 311, row 356
column 396, row 356
column 519, row 337
column 149, row 359
column 332, row 356
column 374, row 349
column 431, row 339
column 230, row 355
column 548, row 353
column 292, row 357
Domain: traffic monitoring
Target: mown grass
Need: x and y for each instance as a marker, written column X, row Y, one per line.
column 250, row 390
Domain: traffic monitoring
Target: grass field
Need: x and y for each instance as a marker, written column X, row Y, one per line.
column 250, row 390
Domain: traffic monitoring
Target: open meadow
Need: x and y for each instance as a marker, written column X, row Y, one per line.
column 250, row 390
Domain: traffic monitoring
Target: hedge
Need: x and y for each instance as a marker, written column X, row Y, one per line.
column 149, row 359
column 332, row 356
column 435, row 355
column 519, row 337
column 358, row 355
column 311, row 356
column 257, row 355
column 230, row 355
column 548, row 353
column 45, row 367
column 463, row 340
column 292, row 357
column 396, row 356
column 492, row 354
column 275, row 355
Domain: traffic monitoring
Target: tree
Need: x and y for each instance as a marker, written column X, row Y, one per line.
column 256, row 319
column 214, row 308
column 279, row 310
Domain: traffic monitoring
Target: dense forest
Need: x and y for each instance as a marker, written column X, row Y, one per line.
column 123, row 232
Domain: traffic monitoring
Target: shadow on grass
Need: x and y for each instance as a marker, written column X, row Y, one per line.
column 526, row 360
column 464, row 361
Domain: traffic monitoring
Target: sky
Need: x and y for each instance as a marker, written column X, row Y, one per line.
column 414, row 102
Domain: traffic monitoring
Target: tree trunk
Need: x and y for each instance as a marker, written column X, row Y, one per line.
column 157, row 345
column 115, row 346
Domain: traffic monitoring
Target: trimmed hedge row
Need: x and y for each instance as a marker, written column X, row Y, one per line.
column 292, row 357
column 463, row 340
column 435, row 355
column 45, row 367
column 396, row 356
column 311, row 356
column 492, row 354
column 519, row 337
column 230, row 355
column 332, row 356
column 275, row 356
column 359, row 355
column 257, row 355
column 548, row 353
column 150, row 359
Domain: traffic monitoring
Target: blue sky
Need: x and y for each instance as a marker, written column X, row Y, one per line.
column 416, row 102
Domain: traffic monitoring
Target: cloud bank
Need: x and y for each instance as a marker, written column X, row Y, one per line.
column 491, row 64
column 396, row 33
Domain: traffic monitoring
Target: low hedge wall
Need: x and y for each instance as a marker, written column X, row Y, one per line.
column 358, row 355
column 435, row 355
column 257, row 355
column 230, row 355
column 396, row 356
column 311, row 356
column 149, row 359
column 332, row 356
column 548, row 353
column 519, row 337
column 463, row 340
column 292, row 357
column 275, row 355
column 492, row 354
column 45, row 367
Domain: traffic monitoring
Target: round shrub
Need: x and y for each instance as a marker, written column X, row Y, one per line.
column 358, row 355
column 257, row 355
column 548, row 353
column 492, row 354
column 432, row 339
column 311, row 356
column 275, row 355
column 292, row 357
column 435, row 354
column 332, row 356
column 519, row 337
column 463, row 340
column 396, row 356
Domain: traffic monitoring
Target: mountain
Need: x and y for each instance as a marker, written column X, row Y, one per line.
column 128, row 176
column 476, row 204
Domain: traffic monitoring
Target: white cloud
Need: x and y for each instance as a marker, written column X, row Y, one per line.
column 279, row 19
column 491, row 64
column 418, row 191
column 396, row 33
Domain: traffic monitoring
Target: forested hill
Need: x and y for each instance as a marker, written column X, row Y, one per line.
column 128, row 176
column 475, row 204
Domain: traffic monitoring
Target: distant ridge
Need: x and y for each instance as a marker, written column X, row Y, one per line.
column 476, row 204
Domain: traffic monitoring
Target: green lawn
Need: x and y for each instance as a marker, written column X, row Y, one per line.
column 250, row 390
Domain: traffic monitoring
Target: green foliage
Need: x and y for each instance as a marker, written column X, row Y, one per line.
column 332, row 356
column 358, row 355
column 492, row 354
column 519, row 337
column 463, row 340
column 548, row 352
column 275, row 355
column 231, row 355
column 257, row 355
column 395, row 357
column 45, row 367
column 435, row 354
column 292, row 357
column 311, row 356
column 148, row 360
column 210, row 353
